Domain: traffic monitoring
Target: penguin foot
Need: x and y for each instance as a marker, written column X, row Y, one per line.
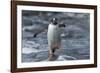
column 52, row 57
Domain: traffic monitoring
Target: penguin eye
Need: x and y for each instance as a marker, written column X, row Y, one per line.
column 55, row 21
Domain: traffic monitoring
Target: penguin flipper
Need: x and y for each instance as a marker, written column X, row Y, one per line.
column 37, row 32
column 42, row 30
column 62, row 25
column 35, row 35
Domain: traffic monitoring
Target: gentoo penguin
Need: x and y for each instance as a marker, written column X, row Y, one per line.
column 54, row 36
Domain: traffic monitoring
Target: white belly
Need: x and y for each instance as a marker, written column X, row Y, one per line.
column 54, row 38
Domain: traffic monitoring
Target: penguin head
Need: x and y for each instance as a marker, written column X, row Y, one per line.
column 54, row 21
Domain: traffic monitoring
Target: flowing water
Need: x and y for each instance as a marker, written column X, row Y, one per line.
column 75, row 36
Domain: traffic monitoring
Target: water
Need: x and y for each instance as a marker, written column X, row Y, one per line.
column 75, row 36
